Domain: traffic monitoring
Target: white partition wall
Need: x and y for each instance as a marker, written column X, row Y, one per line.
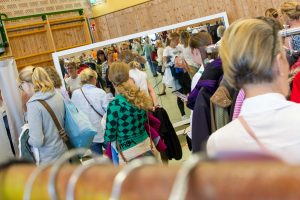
column 57, row 55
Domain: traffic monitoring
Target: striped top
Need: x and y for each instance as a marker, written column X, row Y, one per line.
column 238, row 104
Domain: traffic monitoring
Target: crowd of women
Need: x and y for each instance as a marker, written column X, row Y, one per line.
column 240, row 91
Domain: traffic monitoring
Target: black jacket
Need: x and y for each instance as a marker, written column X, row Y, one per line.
column 167, row 132
column 201, row 124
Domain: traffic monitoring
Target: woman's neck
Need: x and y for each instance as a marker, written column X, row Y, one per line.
column 74, row 76
column 252, row 90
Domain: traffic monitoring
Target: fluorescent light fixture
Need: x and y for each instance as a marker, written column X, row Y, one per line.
column 96, row 2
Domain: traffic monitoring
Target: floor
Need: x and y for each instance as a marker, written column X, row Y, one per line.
column 169, row 102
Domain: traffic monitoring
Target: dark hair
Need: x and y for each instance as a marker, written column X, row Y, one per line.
column 100, row 52
column 184, row 37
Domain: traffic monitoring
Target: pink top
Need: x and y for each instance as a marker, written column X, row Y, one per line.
column 238, row 104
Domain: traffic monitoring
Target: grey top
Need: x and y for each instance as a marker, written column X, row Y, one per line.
column 43, row 133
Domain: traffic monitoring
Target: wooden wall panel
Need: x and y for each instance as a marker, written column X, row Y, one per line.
column 159, row 13
column 15, row 8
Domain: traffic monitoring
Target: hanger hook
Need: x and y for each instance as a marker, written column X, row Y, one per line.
column 30, row 181
column 79, row 171
column 180, row 186
column 58, row 164
column 125, row 172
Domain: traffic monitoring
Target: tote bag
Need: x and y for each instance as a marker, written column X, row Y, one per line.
column 78, row 126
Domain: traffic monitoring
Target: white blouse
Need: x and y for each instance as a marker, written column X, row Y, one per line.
column 97, row 97
column 140, row 79
column 275, row 122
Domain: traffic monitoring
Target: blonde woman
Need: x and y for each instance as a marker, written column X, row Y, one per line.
column 73, row 81
column 159, row 59
column 126, row 116
column 254, row 60
column 43, row 134
column 93, row 102
column 139, row 77
column 56, row 80
column 291, row 17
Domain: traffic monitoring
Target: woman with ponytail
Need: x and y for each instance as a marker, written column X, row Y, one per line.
column 43, row 134
column 139, row 77
column 126, row 116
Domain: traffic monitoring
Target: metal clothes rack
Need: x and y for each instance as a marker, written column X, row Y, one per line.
column 143, row 179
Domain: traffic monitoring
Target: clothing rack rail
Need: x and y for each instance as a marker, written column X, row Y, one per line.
column 207, row 180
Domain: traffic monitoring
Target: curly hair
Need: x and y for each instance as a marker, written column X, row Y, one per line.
column 53, row 75
column 119, row 75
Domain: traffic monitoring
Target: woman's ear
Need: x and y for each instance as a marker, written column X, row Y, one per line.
column 196, row 52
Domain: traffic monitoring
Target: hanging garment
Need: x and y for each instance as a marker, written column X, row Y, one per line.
column 219, row 104
column 12, row 98
column 167, row 132
column 201, row 124
column 209, row 79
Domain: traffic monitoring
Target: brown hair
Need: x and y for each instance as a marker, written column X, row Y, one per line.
column 184, row 38
column 128, row 56
column 119, row 75
column 248, row 49
column 53, row 75
column 71, row 65
column 291, row 9
column 200, row 41
column 271, row 12
column 173, row 36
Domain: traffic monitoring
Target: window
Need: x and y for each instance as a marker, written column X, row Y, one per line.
column 95, row 2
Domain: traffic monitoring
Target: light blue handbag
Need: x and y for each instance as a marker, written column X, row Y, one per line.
column 78, row 126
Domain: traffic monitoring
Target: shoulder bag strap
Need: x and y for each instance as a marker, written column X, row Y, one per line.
column 61, row 131
column 120, row 151
column 90, row 104
column 252, row 134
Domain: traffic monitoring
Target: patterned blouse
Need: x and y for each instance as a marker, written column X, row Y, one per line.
column 125, row 122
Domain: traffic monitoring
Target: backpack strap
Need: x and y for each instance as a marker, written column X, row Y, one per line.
column 91, row 104
column 60, row 129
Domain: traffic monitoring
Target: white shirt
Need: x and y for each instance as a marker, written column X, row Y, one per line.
column 97, row 97
column 275, row 122
column 160, row 53
column 73, row 84
column 140, row 79
column 171, row 53
column 197, row 77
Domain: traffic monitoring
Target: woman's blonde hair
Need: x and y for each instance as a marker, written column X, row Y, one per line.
column 86, row 75
column 38, row 77
column 53, row 75
column 159, row 43
column 248, row 50
column 41, row 81
column 119, row 75
column 291, row 9
column 25, row 74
